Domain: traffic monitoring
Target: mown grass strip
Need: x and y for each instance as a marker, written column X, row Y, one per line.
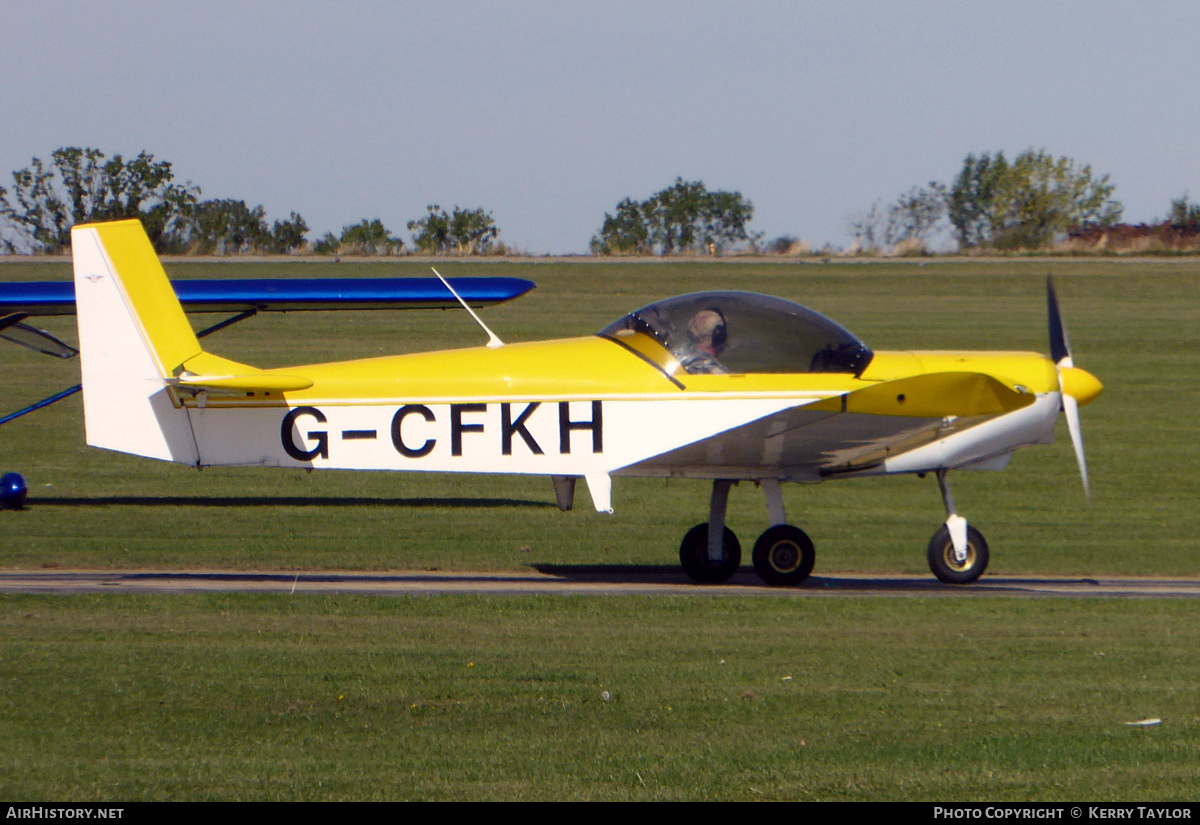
column 265, row 697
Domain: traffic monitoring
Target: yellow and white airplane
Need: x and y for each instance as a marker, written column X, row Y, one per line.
column 723, row 386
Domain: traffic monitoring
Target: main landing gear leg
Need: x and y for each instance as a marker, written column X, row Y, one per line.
column 783, row 555
column 958, row 553
column 710, row 552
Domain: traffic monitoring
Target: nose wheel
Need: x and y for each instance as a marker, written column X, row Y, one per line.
column 958, row 553
column 947, row 565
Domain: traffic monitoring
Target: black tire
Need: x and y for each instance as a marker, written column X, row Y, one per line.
column 784, row 555
column 943, row 564
column 693, row 555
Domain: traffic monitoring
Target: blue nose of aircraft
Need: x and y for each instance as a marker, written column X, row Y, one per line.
column 12, row 491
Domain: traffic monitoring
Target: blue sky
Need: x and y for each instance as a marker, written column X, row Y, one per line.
column 549, row 113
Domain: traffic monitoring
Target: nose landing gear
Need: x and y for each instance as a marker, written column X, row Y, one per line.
column 958, row 553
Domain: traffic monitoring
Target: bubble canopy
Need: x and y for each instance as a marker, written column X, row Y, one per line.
column 746, row 333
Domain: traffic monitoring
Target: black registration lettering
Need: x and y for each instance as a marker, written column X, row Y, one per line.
column 566, row 426
column 457, row 427
column 288, row 436
column 398, row 439
column 509, row 428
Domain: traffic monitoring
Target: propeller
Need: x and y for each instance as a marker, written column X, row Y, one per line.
column 1078, row 387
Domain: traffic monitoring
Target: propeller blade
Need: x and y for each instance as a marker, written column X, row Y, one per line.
column 1071, row 410
column 1060, row 353
column 1060, row 348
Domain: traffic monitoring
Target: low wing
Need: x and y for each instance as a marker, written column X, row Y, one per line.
column 846, row 433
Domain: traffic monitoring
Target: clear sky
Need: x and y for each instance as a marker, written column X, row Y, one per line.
column 548, row 113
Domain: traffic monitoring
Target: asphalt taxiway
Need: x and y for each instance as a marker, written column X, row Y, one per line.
column 573, row 580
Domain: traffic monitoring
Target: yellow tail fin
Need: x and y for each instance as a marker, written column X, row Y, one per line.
column 133, row 336
column 146, row 290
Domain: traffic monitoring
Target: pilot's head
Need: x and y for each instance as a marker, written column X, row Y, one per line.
column 707, row 331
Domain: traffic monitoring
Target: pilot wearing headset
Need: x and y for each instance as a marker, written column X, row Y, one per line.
column 707, row 336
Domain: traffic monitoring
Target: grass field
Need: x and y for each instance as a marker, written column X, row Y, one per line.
column 237, row 697
column 253, row 697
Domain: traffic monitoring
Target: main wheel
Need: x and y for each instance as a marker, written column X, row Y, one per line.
column 693, row 555
column 947, row 568
column 784, row 555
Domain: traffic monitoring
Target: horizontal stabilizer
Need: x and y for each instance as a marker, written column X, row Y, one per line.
column 263, row 381
column 212, row 372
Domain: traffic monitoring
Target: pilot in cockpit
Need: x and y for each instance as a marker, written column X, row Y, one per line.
column 707, row 337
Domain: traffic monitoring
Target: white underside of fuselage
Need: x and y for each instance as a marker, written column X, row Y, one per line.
column 743, row 439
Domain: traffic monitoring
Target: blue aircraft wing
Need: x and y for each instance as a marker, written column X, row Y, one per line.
column 284, row 294
column 245, row 297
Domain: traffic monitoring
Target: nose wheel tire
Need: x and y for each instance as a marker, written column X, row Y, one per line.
column 784, row 555
column 947, row 568
column 693, row 555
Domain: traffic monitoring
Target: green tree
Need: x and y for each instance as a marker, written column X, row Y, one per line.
column 916, row 214
column 675, row 216
column 684, row 216
column 288, row 236
column 327, row 245
column 473, row 231
column 1024, row 204
column 1183, row 213
column 431, row 234
column 463, row 231
column 971, row 198
column 725, row 216
column 226, row 227
column 369, row 238
column 81, row 186
column 7, row 245
column 625, row 233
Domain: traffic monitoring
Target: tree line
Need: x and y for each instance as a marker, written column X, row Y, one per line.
column 994, row 203
column 991, row 204
column 84, row 185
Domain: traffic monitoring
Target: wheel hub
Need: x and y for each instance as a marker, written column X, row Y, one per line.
column 955, row 564
column 785, row 556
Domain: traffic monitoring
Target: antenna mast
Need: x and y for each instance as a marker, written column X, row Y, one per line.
column 493, row 340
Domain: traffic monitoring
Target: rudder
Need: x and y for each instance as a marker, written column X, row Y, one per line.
column 133, row 335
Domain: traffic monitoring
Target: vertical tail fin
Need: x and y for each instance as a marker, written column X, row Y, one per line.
column 133, row 335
